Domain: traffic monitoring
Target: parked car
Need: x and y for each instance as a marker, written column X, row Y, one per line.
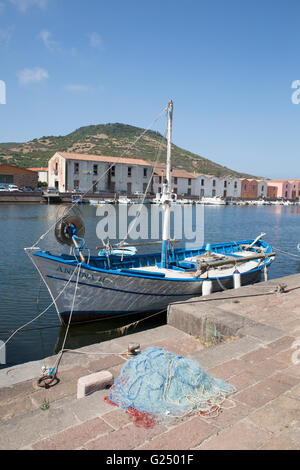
column 13, row 187
column 3, row 187
column 27, row 189
column 51, row 190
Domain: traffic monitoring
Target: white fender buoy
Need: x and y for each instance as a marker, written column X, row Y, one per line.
column 265, row 272
column 236, row 279
column 207, row 287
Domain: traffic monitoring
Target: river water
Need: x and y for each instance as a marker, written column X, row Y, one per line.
column 22, row 295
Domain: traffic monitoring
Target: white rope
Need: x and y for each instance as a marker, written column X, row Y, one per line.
column 286, row 252
column 69, row 322
column 40, row 314
column 102, row 176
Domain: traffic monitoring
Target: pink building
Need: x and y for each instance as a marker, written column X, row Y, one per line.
column 286, row 189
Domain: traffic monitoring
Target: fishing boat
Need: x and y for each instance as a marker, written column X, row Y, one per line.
column 85, row 287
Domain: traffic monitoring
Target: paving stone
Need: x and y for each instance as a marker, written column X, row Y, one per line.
column 105, row 363
column 125, row 438
column 231, row 412
column 263, row 368
column 34, row 426
column 117, row 418
column 74, row 437
column 243, row 380
column 277, row 415
column 225, row 352
column 281, row 344
column 287, row 439
column 241, row 436
column 257, row 395
column 183, row 436
column 227, row 369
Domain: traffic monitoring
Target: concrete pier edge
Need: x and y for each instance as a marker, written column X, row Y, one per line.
column 256, row 330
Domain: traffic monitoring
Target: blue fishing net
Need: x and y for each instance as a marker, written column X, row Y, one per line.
column 165, row 385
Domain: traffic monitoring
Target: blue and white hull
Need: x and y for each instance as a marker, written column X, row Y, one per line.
column 135, row 285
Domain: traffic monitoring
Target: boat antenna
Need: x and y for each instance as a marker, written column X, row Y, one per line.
column 166, row 196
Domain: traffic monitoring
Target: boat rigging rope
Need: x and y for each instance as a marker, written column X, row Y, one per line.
column 103, row 174
column 286, row 253
column 132, row 224
column 42, row 313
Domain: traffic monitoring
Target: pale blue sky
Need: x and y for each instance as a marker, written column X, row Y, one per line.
column 227, row 64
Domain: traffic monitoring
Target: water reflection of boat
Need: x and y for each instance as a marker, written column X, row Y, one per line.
column 106, row 329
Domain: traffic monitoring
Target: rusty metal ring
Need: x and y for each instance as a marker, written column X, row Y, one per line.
column 46, row 381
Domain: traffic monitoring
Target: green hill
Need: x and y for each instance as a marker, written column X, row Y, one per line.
column 112, row 140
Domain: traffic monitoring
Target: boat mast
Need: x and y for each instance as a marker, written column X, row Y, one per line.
column 166, row 196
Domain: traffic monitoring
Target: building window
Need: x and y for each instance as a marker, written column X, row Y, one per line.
column 201, row 192
column 113, row 171
column 95, row 169
column 213, row 192
column 245, row 187
column 253, row 187
column 214, row 182
column 76, row 168
column 129, row 171
column 189, row 181
column 235, row 185
column 262, row 188
column 202, row 182
column 129, row 188
column 159, row 189
column 175, row 180
column 95, row 186
column 189, row 192
column 159, row 180
column 225, row 184
column 145, row 172
column 76, row 184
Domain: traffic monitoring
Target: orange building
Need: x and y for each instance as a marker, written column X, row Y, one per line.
column 249, row 189
column 21, row 177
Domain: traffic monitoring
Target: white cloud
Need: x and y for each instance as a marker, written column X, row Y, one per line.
column 48, row 42
column 24, row 5
column 76, row 88
column 95, row 40
column 36, row 74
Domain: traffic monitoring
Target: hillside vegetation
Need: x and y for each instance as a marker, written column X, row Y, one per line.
column 108, row 139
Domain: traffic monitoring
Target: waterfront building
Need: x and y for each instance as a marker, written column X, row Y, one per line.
column 284, row 189
column 262, row 188
column 230, row 187
column 21, row 177
column 94, row 173
column 42, row 174
column 249, row 188
column 184, row 183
